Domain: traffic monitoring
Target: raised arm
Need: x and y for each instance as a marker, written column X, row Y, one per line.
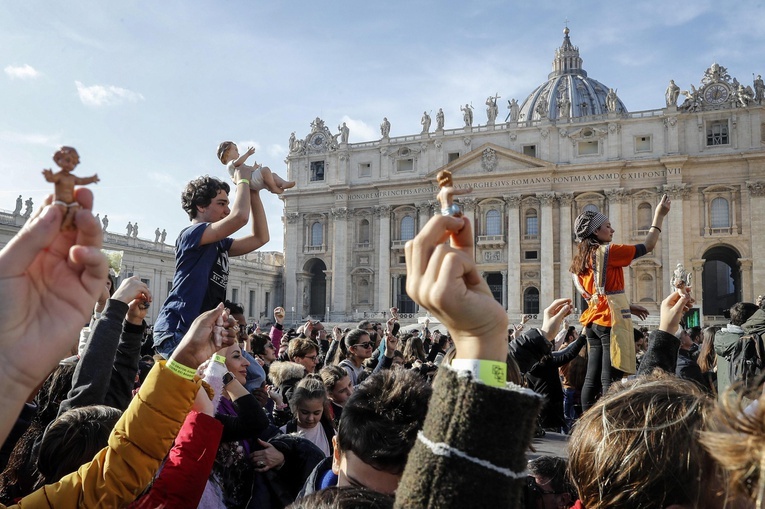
column 240, row 210
column 55, row 277
column 454, row 448
column 662, row 209
column 259, row 235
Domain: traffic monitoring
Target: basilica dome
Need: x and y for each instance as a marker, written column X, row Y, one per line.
column 568, row 92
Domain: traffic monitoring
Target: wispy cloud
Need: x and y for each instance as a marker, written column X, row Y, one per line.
column 359, row 131
column 106, row 95
column 22, row 72
column 48, row 140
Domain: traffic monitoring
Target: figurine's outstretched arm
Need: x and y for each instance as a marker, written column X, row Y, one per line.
column 49, row 175
column 83, row 181
column 243, row 157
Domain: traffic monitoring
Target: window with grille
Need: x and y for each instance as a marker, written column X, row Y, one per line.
column 531, row 301
column 717, row 133
column 532, row 223
column 407, row 228
column 317, row 234
column 493, row 223
column 720, row 213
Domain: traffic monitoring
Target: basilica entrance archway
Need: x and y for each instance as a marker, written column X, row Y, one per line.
column 317, row 288
column 721, row 280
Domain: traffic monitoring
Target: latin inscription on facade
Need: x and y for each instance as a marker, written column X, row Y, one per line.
column 506, row 183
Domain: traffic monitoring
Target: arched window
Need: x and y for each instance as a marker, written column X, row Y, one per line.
column 317, row 234
column 364, row 231
column 493, row 223
column 591, row 207
column 531, row 301
column 720, row 213
column 407, row 227
column 532, row 223
column 644, row 216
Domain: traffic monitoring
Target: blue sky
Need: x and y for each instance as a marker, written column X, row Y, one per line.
column 146, row 90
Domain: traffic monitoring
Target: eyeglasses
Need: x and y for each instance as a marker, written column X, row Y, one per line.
column 364, row 345
column 312, row 357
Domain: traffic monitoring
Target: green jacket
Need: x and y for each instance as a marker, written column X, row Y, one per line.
column 724, row 343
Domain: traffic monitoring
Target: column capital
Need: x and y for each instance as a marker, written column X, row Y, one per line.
column 756, row 188
column 513, row 200
column 616, row 195
column 677, row 191
column 292, row 217
column 382, row 210
column 546, row 199
column 469, row 203
column 566, row 199
column 340, row 213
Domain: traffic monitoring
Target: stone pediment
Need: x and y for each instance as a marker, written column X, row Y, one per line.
column 491, row 159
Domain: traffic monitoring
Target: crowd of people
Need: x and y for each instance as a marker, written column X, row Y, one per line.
column 217, row 415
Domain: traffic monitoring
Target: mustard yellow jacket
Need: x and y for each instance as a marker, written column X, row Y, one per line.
column 140, row 440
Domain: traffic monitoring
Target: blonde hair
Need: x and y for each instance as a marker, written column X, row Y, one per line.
column 735, row 438
column 639, row 446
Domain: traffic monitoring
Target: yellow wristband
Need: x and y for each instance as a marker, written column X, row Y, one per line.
column 245, row 181
column 219, row 358
column 491, row 373
column 181, row 370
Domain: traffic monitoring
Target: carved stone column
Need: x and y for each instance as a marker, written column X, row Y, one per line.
column 672, row 235
column 423, row 210
column 382, row 297
column 697, row 287
column 504, row 289
column 566, row 245
column 513, row 254
column 340, row 267
column 396, row 285
column 546, row 254
column 757, row 228
column 747, row 293
column 328, row 299
column 294, row 249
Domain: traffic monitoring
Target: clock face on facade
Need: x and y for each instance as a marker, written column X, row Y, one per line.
column 716, row 93
column 317, row 140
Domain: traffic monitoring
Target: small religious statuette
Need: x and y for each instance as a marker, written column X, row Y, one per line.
column 447, row 193
column 67, row 159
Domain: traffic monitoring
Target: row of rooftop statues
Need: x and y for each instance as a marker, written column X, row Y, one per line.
column 718, row 89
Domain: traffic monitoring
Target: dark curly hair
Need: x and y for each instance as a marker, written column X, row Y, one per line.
column 200, row 192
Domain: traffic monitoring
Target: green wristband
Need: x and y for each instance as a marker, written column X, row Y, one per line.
column 219, row 358
column 181, row 370
column 491, row 373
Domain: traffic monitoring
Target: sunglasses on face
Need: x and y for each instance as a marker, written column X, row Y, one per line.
column 364, row 345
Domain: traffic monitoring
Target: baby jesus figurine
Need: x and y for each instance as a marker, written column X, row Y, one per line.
column 67, row 159
column 446, row 195
column 262, row 177
column 680, row 278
